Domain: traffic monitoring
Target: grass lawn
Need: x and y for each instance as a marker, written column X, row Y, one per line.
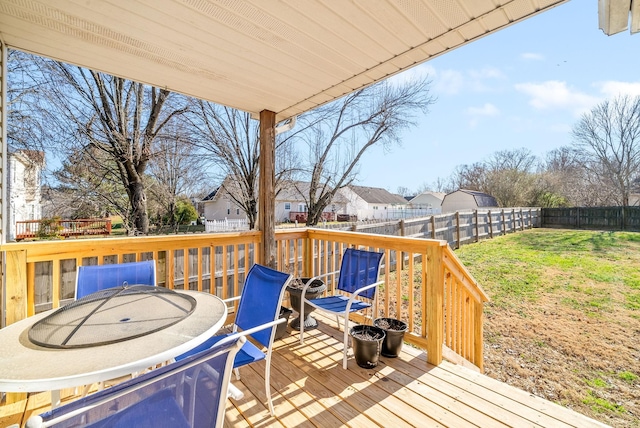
column 564, row 318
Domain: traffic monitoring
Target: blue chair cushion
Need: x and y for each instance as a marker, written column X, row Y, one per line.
column 338, row 303
column 249, row 353
column 156, row 411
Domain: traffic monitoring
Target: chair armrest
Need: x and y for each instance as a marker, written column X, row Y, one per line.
column 355, row 294
column 365, row 288
column 232, row 299
column 261, row 327
column 310, row 281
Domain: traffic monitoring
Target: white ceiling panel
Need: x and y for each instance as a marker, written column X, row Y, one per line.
column 287, row 56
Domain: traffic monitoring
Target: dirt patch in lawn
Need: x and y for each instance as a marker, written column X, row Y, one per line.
column 566, row 357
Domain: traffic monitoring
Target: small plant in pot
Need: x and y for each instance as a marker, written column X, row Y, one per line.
column 394, row 335
column 367, row 344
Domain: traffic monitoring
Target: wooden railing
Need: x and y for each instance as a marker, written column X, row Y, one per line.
column 62, row 228
column 425, row 283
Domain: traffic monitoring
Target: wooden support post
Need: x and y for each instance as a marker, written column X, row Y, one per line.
column 457, row 229
column 401, row 264
column 307, row 270
column 490, row 224
column 16, row 286
column 434, row 295
column 266, row 197
column 478, row 340
column 504, row 223
column 477, row 227
column 433, row 227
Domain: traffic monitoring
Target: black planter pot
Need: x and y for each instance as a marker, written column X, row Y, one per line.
column 394, row 337
column 315, row 290
column 281, row 328
column 367, row 344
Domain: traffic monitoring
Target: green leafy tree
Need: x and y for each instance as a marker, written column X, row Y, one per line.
column 185, row 212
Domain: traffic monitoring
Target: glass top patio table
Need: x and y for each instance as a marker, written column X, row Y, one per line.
column 28, row 367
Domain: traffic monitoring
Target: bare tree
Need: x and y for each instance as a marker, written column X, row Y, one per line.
column 176, row 169
column 609, row 138
column 230, row 139
column 508, row 175
column 115, row 122
column 341, row 132
column 28, row 124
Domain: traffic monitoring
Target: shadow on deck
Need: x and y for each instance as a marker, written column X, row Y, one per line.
column 310, row 389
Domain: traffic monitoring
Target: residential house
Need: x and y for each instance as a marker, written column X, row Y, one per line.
column 463, row 199
column 352, row 202
column 427, row 202
column 219, row 205
column 24, row 189
column 369, row 203
column 291, row 203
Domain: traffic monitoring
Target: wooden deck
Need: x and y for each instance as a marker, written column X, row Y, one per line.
column 314, row 391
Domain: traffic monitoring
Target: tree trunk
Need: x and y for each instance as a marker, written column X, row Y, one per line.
column 139, row 207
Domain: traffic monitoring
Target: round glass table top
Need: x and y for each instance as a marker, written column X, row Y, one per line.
column 112, row 315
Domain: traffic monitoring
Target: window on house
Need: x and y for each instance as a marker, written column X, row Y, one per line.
column 237, row 211
column 287, row 205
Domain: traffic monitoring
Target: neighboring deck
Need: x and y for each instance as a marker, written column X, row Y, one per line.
column 314, row 390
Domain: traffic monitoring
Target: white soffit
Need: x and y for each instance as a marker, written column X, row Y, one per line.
column 615, row 16
column 287, row 56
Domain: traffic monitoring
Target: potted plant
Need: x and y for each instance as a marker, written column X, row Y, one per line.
column 394, row 335
column 367, row 344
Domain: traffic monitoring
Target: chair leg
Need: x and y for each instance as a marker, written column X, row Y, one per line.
column 301, row 318
column 237, row 372
column 267, row 384
column 346, row 341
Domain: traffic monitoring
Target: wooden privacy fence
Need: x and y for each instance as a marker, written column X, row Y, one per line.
column 425, row 284
column 614, row 218
column 459, row 228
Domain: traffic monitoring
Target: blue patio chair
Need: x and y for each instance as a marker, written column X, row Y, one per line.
column 257, row 316
column 90, row 279
column 357, row 279
column 189, row 393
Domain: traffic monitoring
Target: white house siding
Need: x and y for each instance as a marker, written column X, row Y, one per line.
column 222, row 207
column 430, row 201
column 24, row 190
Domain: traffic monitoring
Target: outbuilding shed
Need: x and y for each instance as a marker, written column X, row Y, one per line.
column 463, row 199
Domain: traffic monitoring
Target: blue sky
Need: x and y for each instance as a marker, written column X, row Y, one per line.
column 524, row 86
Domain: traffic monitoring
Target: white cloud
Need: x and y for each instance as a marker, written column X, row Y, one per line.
column 611, row 89
column 476, row 113
column 554, row 94
column 486, row 110
column 530, row 56
column 451, row 82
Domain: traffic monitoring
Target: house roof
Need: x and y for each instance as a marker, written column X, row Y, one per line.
column 376, row 195
column 437, row 195
column 285, row 56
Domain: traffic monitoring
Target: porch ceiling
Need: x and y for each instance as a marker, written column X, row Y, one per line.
column 286, row 56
